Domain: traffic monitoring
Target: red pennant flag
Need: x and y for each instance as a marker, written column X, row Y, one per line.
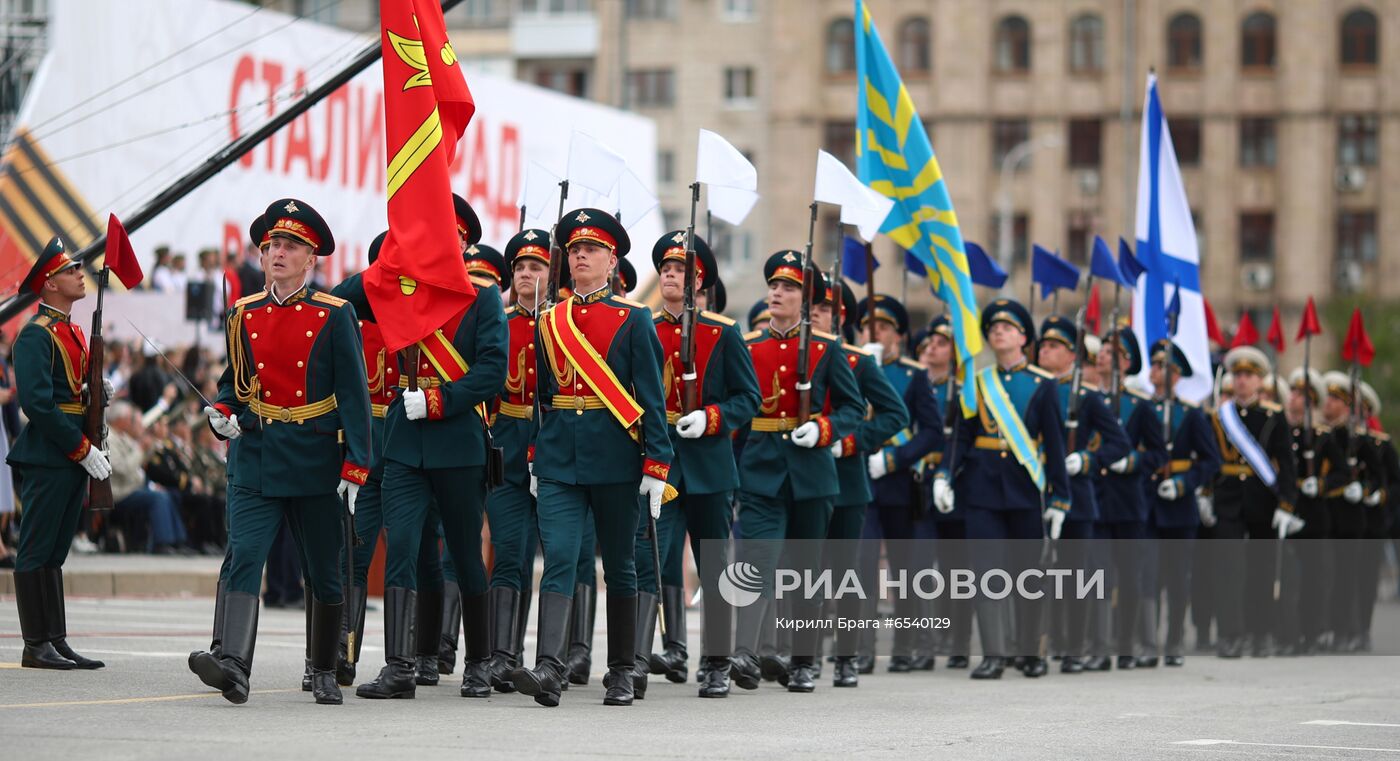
column 1275, row 337
column 120, row 259
column 1091, row 311
column 1310, row 325
column 1246, row 334
column 419, row 283
column 1358, row 347
column 1212, row 327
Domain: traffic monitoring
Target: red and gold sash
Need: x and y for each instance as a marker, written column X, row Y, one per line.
column 438, row 349
column 590, row 366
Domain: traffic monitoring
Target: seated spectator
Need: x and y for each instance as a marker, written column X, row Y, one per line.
column 168, row 473
column 150, row 517
column 205, row 513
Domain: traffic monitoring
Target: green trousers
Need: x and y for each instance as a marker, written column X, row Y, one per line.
column 410, row 495
column 317, row 526
column 53, row 502
column 563, row 509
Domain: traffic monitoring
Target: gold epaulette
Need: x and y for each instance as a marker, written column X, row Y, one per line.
column 856, row 349
column 717, row 317
column 656, row 315
column 1042, row 372
column 43, row 320
column 325, row 298
column 751, row 335
column 246, row 300
column 820, row 334
column 907, row 362
column 511, row 309
column 484, row 282
column 1380, row 436
column 1138, row 394
column 631, row 303
column 1270, row 406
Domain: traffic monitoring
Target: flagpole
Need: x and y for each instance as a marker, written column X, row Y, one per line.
column 522, row 219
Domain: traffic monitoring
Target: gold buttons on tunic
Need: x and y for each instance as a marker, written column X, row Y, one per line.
column 298, row 392
column 260, row 365
column 321, row 313
column 254, row 336
column 300, row 363
column 298, row 307
column 308, row 334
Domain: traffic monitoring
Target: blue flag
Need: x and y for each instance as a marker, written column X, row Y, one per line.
column 853, row 260
column 1052, row 272
column 914, row 265
column 1129, row 264
column 1174, row 309
column 1102, row 264
column 985, row 270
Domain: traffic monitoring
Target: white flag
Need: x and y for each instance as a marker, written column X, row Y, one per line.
column 860, row 206
column 719, row 164
column 594, row 165
column 730, row 204
column 633, row 199
column 539, row 192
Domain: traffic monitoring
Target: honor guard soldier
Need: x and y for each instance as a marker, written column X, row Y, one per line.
column 1314, row 455
column 599, row 443
column 294, row 387
column 703, row 471
column 995, row 468
column 1095, row 439
column 759, row 316
column 787, row 474
column 511, row 507
column 435, row 469
column 52, row 457
column 1379, row 522
column 1356, row 472
column 1254, row 498
column 870, row 449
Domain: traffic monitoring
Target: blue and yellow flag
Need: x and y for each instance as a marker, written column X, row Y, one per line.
column 895, row 158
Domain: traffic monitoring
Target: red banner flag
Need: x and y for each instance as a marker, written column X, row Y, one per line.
column 1212, row 327
column 1091, row 311
column 120, row 259
column 1310, row 325
column 1358, row 347
column 1275, row 337
column 419, row 281
column 1246, row 334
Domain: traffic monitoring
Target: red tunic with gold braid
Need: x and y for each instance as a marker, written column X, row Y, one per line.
column 775, row 363
column 668, row 330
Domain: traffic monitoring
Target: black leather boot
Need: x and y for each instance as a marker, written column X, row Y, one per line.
column 228, row 673
column 716, row 671
column 476, row 661
column 326, row 624
column 451, row 621
column 843, row 672
column 802, row 674
column 39, row 653
column 1098, row 663
column 306, row 662
column 396, row 679
column 1126, row 663
column 522, row 622
column 56, row 611
column 627, row 665
column 426, row 628
column 990, row 667
column 545, row 681
column 671, row 661
column 352, row 637
column 218, row 628
column 957, row 661
column 505, row 617
column 643, row 629
column 743, row 667
column 1035, row 667
column 1072, row 664
column 581, row 619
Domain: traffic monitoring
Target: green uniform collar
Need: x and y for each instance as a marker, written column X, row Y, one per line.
column 598, row 295
column 52, row 312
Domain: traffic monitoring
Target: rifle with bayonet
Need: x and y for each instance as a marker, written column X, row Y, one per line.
column 99, row 490
column 804, row 331
column 689, row 314
column 1076, row 383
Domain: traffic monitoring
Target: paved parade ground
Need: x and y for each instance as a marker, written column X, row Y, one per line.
column 146, row 705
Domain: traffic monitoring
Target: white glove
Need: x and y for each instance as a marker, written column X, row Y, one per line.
column 1286, row 523
column 1205, row 506
column 1120, row 466
column 1074, row 463
column 348, row 491
column 222, row 424
column 108, row 390
column 876, row 465
column 942, row 495
column 96, row 464
column 1309, row 486
column 534, row 482
column 1169, row 489
column 807, row 434
column 1353, row 492
column 691, row 426
column 1056, row 518
column 653, row 488
column 838, row 449
column 1374, row 498
column 415, row 404
column 877, row 350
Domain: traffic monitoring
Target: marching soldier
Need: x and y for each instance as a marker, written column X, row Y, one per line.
column 703, row 471
column 1006, row 490
column 1098, row 440
column 759, row 316
column 52, row 458
column 1253, row 497
column 435, row 456
column 599, row 443
column 1314, row 454
column 787, row 474
column 1356, row 473
column 295, row 383
column 1378, row 518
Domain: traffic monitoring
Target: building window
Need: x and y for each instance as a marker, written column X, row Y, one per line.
column 570, row 80
column 1086, row 44
column 739, row 10
column 651, row 9
column 1020, row 238
column 481, row 13
column 1006, row 135
column 915, row 52
column 738, row 86
column 1257, row 41
column 1256, row 142
column 556, row 7
column 1357, row 143
column 1184, row 42
column 650, row 88
column 839, row 139
column 1013, row 45
column 841, row 47
column 1186, row 139
column 1084, row 142
column 1077, row 237
column 1356, row 237
column 665, row 166
column 1257, row 237
column 1360, row 39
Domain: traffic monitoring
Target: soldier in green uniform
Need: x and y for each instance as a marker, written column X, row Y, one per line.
column 600, row 441
column 294, row 386
column 702, row 471
column 52, row 459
